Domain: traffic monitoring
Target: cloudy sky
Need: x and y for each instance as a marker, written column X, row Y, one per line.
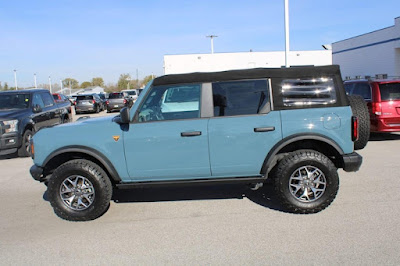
column 86, row 39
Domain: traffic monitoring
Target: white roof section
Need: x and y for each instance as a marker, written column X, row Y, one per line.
column 176, row 64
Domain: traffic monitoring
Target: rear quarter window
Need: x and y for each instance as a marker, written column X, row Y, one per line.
column 305, row 92
column 390, row 91
column 84, row 97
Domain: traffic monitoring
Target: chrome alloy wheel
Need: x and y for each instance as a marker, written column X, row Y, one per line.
column 307, row 183
column 77, row 192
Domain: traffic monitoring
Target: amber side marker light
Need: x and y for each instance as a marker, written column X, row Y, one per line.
column 32, row 149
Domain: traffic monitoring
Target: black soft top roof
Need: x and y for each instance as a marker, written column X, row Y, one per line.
column 254, row 73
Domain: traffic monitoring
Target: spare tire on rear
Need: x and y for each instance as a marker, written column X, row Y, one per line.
column 360, row 110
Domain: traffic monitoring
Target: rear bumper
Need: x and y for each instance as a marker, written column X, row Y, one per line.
column 385, row 125
column 352, row 162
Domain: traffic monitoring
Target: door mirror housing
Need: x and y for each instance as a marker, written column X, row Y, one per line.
column 123, row 117
column 36, row 108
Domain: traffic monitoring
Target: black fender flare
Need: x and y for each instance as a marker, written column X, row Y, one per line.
column 269, row 160
column 89, row 151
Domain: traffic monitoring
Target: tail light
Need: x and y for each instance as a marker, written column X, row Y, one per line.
column 74, row 103
column 107, row 102
column 93, row 101
column 354, row 128
column 377, row 108
column 125, row 101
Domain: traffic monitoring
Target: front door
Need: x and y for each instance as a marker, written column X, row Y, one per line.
column 168, row 139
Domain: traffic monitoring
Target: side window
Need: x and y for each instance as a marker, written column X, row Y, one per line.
column 349, row 88
column 47, row 99
column 306, row 92
column 37, row 100
column 247, row 97
column 362, row 89
column 171, row 102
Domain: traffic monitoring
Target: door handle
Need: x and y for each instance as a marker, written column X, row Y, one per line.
column 191, row 134
column 264, row 129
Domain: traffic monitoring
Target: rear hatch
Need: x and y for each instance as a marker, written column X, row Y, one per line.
column 84, row 100
column 116, row 99
column 390, row 102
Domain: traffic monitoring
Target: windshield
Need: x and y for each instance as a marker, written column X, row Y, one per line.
column 390, row 91
column 14, row 101
column 131, row 92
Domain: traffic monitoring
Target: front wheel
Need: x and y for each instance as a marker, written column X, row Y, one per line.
column 25, row 149
column 79, row 190
column 306, row 181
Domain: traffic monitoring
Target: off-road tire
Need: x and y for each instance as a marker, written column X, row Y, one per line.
column 289, row 165
column 92, row 172
column 24, row 150
column 360, row 110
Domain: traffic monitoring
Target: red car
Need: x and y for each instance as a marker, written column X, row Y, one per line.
column 383, row 101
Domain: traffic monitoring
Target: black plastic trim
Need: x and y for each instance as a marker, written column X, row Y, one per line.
column 91, row 152
column 352, row 162
column 195, row 182
column 36, row 172
column 293, row 138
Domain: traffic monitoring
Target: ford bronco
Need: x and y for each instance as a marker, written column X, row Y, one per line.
column 294, row 126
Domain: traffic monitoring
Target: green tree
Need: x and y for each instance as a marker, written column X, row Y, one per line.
column 86, row 84
column 98, row 82
column 123, row 81
column 5, row 86
column 146, row 79
column 70, row 82
column 1, row 86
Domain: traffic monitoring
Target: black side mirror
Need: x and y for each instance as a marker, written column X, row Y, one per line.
column 123, row 117
column 36, row 108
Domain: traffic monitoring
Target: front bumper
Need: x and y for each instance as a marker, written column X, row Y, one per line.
column 37, row 173
column 352, row 162
column 9, row 143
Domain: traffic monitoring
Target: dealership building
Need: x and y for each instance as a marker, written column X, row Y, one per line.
column 174, row 64
column 374, row 54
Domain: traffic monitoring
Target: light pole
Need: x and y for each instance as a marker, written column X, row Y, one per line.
column 61, row 86
column 50, row 83
column 212, row 41
column 34, row 79
column 127, row 84
column 15, row 79
column 286, row 33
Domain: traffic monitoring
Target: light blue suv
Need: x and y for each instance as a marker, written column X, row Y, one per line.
column 292, row 125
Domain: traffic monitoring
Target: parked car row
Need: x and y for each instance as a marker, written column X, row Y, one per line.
column 383, row 101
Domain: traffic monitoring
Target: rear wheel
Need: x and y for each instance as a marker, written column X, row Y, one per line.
column 25, row 149
column 79, row 190
column 306, row 181
column 360, row 110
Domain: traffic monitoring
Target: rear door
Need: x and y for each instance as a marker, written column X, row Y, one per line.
column 244, row 127
column 52, row 111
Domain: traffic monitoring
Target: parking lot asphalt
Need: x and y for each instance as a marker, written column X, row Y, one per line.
column 226, row 225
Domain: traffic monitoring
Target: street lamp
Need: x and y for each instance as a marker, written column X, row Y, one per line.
column 286, row 33
column 34, row 78
column 50, row 83
column 15, row 79
column 212, row 41
column 127, row 85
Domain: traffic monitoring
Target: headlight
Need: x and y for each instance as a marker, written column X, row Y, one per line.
column 11, row 126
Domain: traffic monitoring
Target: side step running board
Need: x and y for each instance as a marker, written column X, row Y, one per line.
column 194, row 182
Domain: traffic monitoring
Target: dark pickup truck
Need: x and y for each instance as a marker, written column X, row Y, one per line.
column 24, row 112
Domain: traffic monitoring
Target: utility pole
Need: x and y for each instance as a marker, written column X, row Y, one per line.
column 50, row 84
column 61, row 86
column 287, row 33
column 34, row 78
column 15, row 79
column 212, row 41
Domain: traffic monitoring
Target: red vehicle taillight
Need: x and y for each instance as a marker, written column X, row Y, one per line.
column 74, row 103
column 377, row 108
column 93, row 101
column 125, row 101
column 354, row 128
column 107, row 102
